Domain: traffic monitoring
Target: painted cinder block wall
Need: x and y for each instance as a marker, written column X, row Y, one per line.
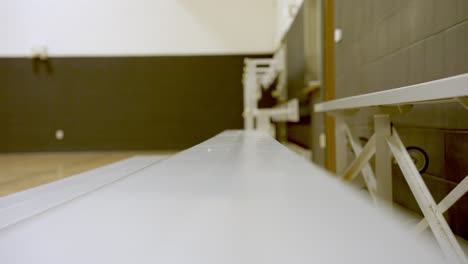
column 392, row 43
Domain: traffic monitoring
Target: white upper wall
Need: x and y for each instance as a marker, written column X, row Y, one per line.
column 286, row 11
column 137, row 27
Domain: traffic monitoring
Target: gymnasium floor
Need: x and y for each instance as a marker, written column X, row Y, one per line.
column 26, row 170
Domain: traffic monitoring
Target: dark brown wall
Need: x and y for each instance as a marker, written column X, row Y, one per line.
column 118, row 103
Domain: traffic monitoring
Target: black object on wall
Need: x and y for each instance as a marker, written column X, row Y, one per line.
column 118, row 103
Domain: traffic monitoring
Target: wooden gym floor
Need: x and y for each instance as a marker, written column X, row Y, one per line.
column 21, row 171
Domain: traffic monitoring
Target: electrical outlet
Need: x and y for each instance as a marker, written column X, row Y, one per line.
column 59, row 134
column 323, row 140
column 338, row 35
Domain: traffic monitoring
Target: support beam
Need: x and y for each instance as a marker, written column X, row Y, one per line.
column 341, row 145
column 448, row 201
column 361, row 163
column 383, row 157
column 249, row 86
column 439, row 226
column 264, row 124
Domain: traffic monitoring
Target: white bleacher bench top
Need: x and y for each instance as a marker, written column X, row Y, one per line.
column 240, row 197
column 442, row 90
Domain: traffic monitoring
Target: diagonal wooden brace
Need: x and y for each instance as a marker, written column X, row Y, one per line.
column 448, row 201
column 361, row 163
column 439, row 226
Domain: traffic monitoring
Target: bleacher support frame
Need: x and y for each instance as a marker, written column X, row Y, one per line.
column 261, row 73
column 386, row 143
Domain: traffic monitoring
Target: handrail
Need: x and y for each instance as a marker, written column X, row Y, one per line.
column 439, row 90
